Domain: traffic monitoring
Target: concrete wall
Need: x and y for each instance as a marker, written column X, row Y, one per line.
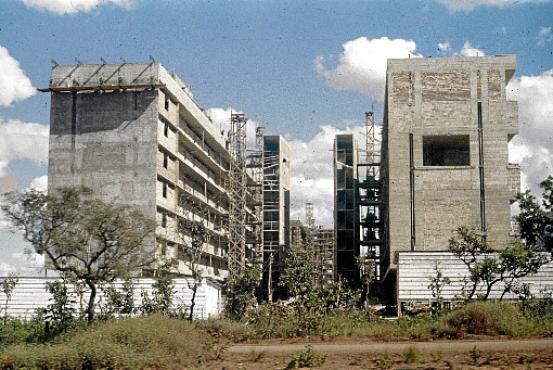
column 440, row 96
column 113, row 127
column 100, row 140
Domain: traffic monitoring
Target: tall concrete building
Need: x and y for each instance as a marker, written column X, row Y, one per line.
column 134, row 135
column 345, row 207
column 447, row 126
column 276, row 207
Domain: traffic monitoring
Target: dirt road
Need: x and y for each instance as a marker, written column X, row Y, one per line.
column 451, row 346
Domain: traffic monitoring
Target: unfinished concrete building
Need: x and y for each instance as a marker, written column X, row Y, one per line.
column 447, row 125
column 345, row 207
column 276, row 208
column 134, row 135
column 323, row 255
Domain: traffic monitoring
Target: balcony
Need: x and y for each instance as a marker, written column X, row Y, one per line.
column 165, row 173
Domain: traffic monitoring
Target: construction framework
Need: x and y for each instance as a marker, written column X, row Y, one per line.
column 369, row 196
column 237, row 195
column 309, row 217
column 255, row 164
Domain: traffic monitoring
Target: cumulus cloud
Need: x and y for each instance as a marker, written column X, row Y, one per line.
column 362, row 64
column 469, row 5
column 533, row 147
column 444, row 47
column 21, row 140
column 22, row 264
column 469, row 50
column 312, row 177
column 39, row 183
column 64, row 7
column 14, row 83
column 545, row 36
column 221, row 118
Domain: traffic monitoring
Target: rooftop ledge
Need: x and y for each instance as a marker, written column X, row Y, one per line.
column 507, row 61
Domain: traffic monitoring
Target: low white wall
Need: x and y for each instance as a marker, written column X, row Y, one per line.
column 30, row 294
column 415, row 269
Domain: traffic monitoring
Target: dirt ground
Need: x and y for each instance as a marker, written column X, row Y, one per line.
column 504, row 354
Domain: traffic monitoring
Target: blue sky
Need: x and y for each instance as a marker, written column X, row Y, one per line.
column 261, row 57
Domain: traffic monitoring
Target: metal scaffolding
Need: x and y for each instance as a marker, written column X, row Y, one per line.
column 237, row 195
column 255, row 163
column 309, row 218
column 369, row 195
column 272, row 259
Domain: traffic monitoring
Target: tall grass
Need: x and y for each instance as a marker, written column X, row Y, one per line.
column 477, row 318
column 138, row 343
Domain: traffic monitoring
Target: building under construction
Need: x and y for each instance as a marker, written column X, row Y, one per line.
column 134, row 135
column 447, row 127
column 276, row 210
column 445, row 134
column 358, row 202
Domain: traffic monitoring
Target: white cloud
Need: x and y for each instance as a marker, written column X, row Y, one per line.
column 221, row 118
column 39, row 183
column 362, row 64
column 533, row 147
column 444, row 46
column 63, row 7
column 470, row 51
column 22, row 264
column 545, row 36
column 14, row 83
column 468, row 5
column 311, row 173
column 312, row 176
column 21, row 140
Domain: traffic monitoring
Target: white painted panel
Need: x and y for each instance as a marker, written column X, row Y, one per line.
column 30, row 294
column 415, row 269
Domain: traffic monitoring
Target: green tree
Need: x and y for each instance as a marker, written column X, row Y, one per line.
column 8, row 285
column 367, row 267
column 120, row 302
column 518, row 261
column 437, row 284
column 535, row 220
column 240, row 292
column 60, row 313
column 193, row 235
column 83, row 237
column 161, row 301
column 469, row 246
column 299, row 277
column 299, row 274
column 488, row 268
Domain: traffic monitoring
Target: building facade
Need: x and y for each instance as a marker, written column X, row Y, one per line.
column 345, row 207
column 134, row 135
column 276, row 208
column 447, row 126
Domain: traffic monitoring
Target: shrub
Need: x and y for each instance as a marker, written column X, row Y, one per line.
column 137, row 343
column 486, row 318
column 412, row 354
column 17, row 331
column 307, row 358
